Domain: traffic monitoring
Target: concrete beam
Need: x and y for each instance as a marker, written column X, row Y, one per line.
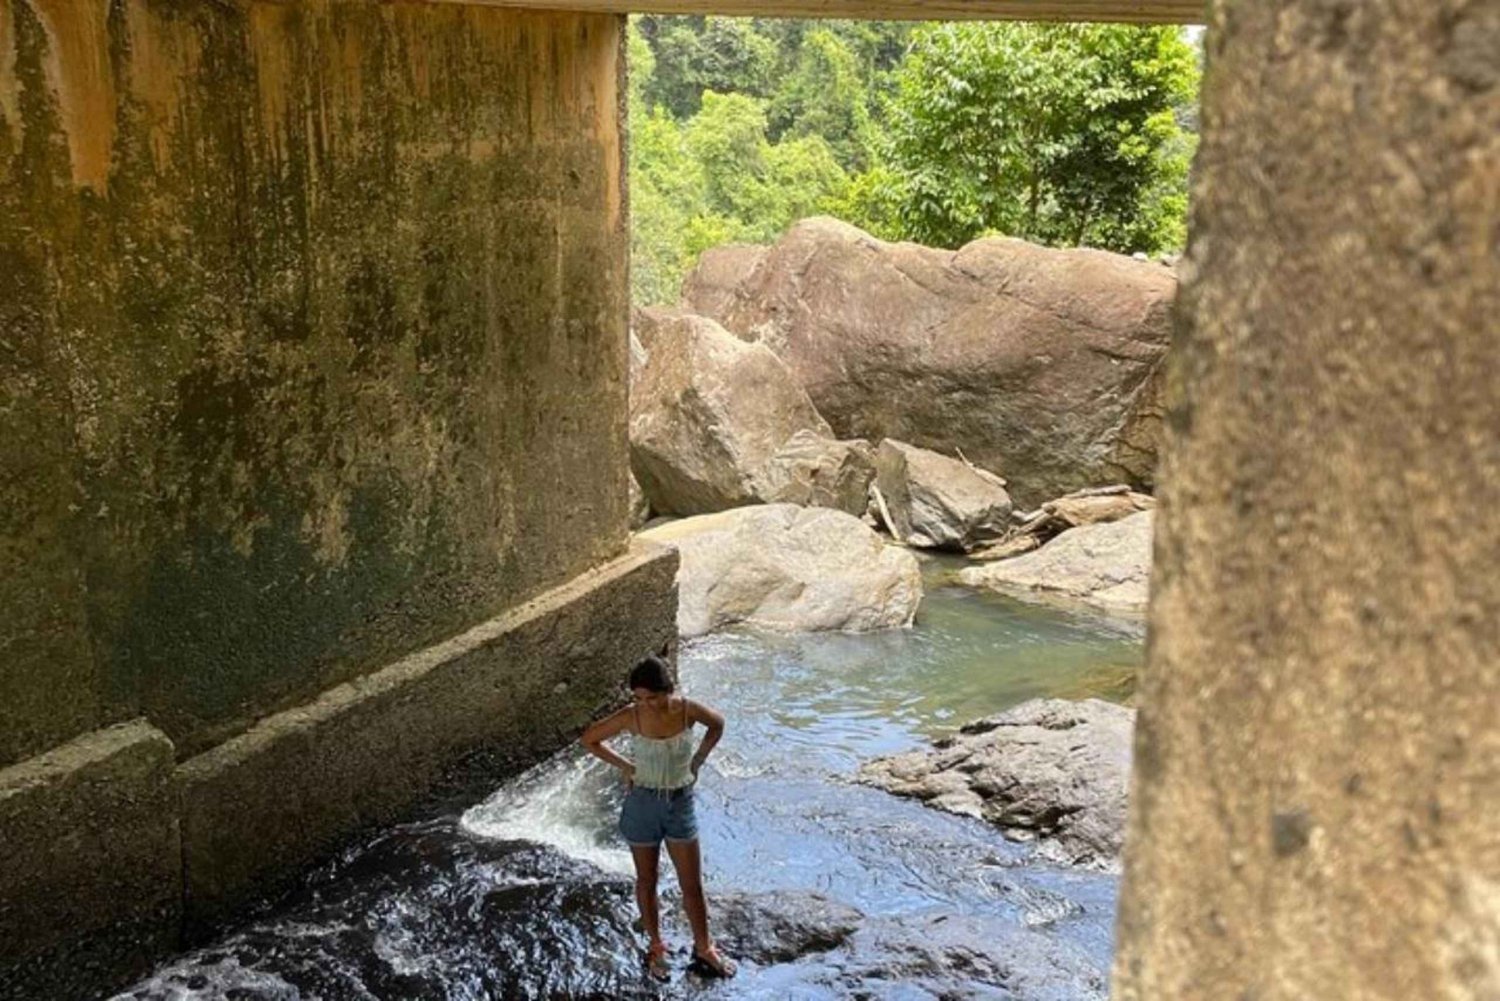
column 1123, row 11
column 1317, row 761
column 367, row 752
column 90, row 864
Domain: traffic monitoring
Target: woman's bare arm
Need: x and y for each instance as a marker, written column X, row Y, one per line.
column 698, row 713
column 594, row 737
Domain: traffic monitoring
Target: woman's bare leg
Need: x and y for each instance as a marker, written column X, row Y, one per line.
column 647, row 871
column 689, row 865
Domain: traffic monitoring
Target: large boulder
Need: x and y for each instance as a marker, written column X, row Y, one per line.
column 779, row 566
column 1041, row 364
column 1105, row 565
column 1049, row 769
column 936, row 502
column 707, row 410
column 815, row 471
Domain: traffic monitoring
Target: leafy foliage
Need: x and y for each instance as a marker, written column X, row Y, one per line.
column 1061, row 134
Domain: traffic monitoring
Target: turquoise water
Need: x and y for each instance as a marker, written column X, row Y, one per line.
column 525, row 894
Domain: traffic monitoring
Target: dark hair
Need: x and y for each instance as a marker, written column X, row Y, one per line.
column 652, row 674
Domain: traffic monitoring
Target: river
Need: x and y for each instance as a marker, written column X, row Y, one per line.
column 824, row 888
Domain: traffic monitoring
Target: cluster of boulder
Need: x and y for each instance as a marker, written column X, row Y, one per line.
column 887, row 387
column 815, row 412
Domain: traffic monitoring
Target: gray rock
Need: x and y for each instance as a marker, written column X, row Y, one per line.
column 1049, row 769
column 1043, row 365
column 1105, row 565
column 707, row 410
column 781, row 926
column 640, row 507
column 1076, row 510
column 939, row 503
column 815, row 471
column 783, row 567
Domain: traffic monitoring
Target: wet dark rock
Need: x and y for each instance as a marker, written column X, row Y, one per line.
column 783, row 926
column 941, row 956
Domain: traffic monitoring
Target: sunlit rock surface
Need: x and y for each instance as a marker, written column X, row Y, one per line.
column 938, row 502
column 815, row 471
column 707, row 410
column 783, row 567
column 1106, row 566
column 1049, row 769
column 1043, row 365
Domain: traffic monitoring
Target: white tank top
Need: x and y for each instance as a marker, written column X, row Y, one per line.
column 663, row 762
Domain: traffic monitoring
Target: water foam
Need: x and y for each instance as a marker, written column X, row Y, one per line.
column 568, row 803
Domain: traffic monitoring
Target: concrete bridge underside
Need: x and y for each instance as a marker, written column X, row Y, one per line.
column 312, row 481
column 1123, row 11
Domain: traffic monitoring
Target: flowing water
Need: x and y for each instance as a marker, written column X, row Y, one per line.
column 824, row 889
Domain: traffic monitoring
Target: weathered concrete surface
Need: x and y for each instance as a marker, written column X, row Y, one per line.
column 90, row 864
column 1125, row 11
column 1318, row 762
column 312, row 326
column 367, row 751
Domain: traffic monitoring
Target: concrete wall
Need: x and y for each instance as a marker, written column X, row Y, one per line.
column 311, row 339
column 1127, row 11
column 313, row 466
column 1317, row 783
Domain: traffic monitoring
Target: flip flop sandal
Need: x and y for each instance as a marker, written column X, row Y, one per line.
column 713, row 965
column 654, row 959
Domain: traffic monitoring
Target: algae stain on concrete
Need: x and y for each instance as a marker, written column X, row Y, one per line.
column 80, row 75
column 333, row 315
column 10, row 103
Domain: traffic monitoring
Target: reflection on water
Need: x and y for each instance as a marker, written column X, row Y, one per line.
column 524, row 895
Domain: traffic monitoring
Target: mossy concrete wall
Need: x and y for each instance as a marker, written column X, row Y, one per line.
column 313, row 472
column 312, row 344
column 1317, row 769
column 112, row 849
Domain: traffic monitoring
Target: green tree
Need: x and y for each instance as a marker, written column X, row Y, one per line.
column 695, row 54
column 826, row 96
column 667, row 192
column 728, row 140
column 1063, row 134
column 764, row 186
column 873, row 201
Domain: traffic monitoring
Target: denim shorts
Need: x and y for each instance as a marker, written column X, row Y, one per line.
column 649, row 815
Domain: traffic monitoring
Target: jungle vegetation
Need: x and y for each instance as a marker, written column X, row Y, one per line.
column 1067, row 135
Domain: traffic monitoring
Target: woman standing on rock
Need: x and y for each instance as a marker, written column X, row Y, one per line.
column 659, row 780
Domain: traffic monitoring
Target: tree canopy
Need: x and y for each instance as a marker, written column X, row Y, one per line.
column 1062, row 134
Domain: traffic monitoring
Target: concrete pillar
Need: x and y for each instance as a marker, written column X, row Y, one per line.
column 1317, row 783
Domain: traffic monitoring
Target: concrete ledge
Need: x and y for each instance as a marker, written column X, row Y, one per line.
column 90, row 864
column 1123, row 11
column 258, row 808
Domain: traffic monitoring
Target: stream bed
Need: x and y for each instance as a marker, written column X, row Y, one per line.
column 821, row 888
